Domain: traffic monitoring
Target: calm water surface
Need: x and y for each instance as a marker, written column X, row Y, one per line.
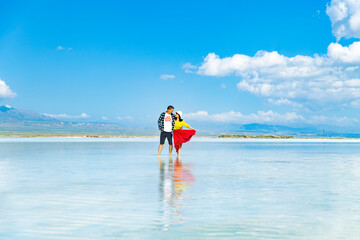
column 218, row 190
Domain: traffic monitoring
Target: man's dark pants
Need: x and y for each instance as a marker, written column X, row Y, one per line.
column 166, row 135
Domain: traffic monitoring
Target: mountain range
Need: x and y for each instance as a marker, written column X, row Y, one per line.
column 25, row 121
column 11, row 115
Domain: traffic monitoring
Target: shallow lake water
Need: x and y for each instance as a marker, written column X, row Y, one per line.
column 119, row 189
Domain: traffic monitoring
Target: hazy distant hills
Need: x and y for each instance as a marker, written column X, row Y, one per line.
column 24, row 121
column 258, row 129
column 12, row 115
column 277, row 129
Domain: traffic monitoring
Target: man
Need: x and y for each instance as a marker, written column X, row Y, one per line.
column 166, row 124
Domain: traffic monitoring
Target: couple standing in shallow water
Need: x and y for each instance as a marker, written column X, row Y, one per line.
column 172, row 125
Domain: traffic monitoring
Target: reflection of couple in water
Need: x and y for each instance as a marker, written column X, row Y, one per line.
column 170, row 123
column 174, row 180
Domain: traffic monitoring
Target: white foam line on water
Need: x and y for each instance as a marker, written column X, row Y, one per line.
column 195, row 139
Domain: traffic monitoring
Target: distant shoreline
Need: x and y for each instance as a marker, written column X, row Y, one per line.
column 75, row 135
column 197, row 140
column 227, row 136
column 255, row 136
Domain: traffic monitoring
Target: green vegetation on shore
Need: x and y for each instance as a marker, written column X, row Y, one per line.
column 253, row 136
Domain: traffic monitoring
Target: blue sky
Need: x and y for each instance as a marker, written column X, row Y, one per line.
column 109, row 60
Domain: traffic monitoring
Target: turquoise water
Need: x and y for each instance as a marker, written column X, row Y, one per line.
column 64, row 189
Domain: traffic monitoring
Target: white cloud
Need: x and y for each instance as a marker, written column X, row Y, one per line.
column 348, row 55
column 317, row 13
column 189, row 68
column 84, row 115
column 199, row 115
column 280, row 101
column 283, row 101
column 345, row 18
column 5, row 91
column 66, row 116
column 104, row 118
column 63, row 48
column 311, row 81
column 124, row 118
column 320, row 79
column 223, row 85
column 167, row 76
column 238, row 117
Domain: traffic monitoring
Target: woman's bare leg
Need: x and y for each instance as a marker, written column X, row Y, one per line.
column 179, row 151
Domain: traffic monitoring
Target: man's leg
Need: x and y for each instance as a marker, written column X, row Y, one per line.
column 160, row 149
column 161, row 163
column 169, row 137
column 162, row 141
column 170, row 150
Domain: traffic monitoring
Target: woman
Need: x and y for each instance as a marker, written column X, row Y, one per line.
column 181, row 136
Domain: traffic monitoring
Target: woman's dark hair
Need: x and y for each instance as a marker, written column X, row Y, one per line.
column 180, row 119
